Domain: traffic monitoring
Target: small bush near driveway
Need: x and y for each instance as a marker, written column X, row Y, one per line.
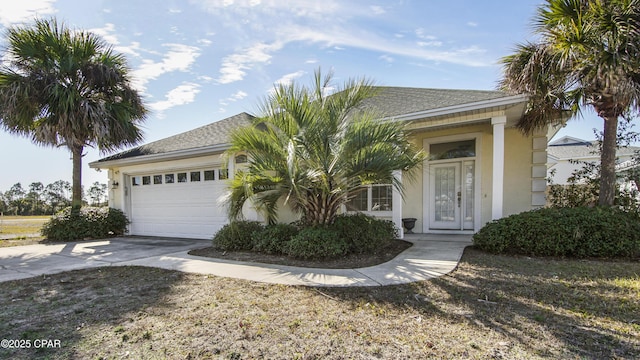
column 237, row 235
column 90, row 222
column 579, row 232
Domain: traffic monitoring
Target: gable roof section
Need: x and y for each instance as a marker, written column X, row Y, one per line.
column 398, row 101
column 209, row 136
column 569, row 141
column 390, row 102
column 567, row 148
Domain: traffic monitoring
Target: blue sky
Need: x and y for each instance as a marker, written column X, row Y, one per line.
column 199, row 61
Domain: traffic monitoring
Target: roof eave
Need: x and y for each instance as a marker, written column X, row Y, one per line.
column 174, row 155
column 503, row 101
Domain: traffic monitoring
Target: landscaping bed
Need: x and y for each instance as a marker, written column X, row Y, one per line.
column 352, row 261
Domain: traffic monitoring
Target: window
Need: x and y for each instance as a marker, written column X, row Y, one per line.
column 169, row 178
column 135, row 180
column 209, row 175
column 241, row 159
column 452, row 150
column 146, row 180
column 381, row 198
column 223, row 174
column 157, row 179
column 372, row 198
column 182, row 177
column 359, row 201
column 195, row 176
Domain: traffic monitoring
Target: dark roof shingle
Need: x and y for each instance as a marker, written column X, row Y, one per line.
column 395, row 101
column 388, row 102
column 216, row 133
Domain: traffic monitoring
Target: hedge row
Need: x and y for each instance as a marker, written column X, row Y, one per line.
column 87, row 222
column 578, row 232
column 348, row 234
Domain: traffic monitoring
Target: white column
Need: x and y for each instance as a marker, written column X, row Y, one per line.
column 396, row 204
column 498, row 166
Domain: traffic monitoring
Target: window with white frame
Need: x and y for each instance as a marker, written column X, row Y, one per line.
column 372, row 198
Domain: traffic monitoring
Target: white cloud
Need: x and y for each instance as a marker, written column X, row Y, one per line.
column 429, row 43
column 377, row 10
column 108, row 33
column 235, row 66
column 17, row 12
column 332, row 23
column 205, row 78
column 465, row 55
column 288, row 79
column 180, row 57
column 237, row 96
column 472, row 24
column 181, row 95
column 386, row 58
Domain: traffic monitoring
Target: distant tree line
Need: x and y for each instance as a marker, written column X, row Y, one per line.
column 39, row 199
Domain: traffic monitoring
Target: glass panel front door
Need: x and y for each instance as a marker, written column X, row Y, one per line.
column 452, row 195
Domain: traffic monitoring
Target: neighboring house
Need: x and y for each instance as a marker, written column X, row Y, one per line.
column 479, row 168
column 568, row 154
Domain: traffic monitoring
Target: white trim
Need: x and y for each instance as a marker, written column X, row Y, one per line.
column 174, row 155
column 396, row 205
column 477, row 207
column 480, row 105
column 497, row 179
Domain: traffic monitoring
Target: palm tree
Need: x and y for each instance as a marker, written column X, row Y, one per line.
column 315, row 151
column 587, row 53
column 66, row 87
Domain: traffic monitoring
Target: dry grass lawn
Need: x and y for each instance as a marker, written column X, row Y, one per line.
column 491, row 307
column 21, row 230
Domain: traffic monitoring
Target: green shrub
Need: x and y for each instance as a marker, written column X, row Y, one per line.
column 317, row 243
column 273, row 239
column 365, row 234
column 572, row 232
column 237, row 235
column 89, row 222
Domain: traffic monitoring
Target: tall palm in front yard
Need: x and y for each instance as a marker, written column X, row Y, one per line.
column 587, row 54
column 312, row 151
column 68, row 88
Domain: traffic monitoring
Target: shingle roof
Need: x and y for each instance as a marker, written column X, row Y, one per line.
column 584, row 149
column 388, row 102
column 395, row 101
column 216, row 133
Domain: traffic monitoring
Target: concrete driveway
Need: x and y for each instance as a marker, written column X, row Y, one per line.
column 21, row 262
column 430, row 256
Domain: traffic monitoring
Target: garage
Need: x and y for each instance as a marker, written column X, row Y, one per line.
column 183, row 204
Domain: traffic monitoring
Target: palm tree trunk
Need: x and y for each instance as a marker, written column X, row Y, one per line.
column 608, row 162
column 76, row 197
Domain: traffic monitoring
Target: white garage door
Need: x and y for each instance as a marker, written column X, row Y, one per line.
column 178, row 204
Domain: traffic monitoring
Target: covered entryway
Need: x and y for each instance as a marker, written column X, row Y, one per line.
column 451, row 197
column 177, row 204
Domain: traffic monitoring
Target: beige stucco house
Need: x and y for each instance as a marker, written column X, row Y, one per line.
column 479, row 168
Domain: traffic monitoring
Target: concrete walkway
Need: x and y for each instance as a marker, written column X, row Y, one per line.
column 430, row 256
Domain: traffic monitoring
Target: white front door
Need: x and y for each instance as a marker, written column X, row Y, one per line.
column 451, row 194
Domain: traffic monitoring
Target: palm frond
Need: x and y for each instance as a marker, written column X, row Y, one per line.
column 311, row 148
